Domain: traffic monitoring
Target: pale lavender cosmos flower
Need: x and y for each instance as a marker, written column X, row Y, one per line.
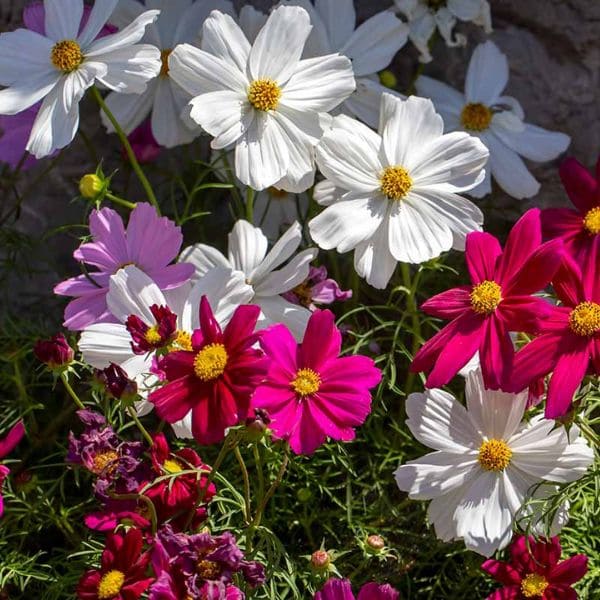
column 317, row 289
column 150, row 243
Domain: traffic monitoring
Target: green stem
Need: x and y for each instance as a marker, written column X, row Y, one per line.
column 128, row 149
column 250, row 205
column 259, row 470
column 272, row 489
column 413, row 310
column 142, row 429
column 246, row 478
column 229, row 443
column 71, row 391
column 120, row 201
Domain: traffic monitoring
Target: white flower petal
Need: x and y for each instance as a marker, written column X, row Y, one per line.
column 325, row 193
column 222, row 37
column 203, row 258
column 183, row 429
column 130, row 68
column 25, row 94
column 288, row 277
column 62, row 19
column 191, row 22
column 168, row 128
column 487, row 74
column 440, row 514
column 276, row 309
column 373, row 259
column 103, row 343
column 247, row 247
column 99, row 15
column 24, row 56
column 339, row 18
column 465, row 10
column 251, row 21
column 130, row 110
column 448, row 101
column 364, row 103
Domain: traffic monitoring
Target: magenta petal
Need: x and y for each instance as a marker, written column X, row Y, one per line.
column 525, row 313
column 568, row 283
column 211, row 330
column 171, row 276
column 570, row 571
column 566, row 377
column 15, row 435
column 506, row 593
column 560, row 592
column 374, row 591
column 34, row 17
column 524, row 238
column 335, row 589
column 174, row 400
column 322, row 341
column 280, row 346
column 496, row 353
column 14, row 135
column 354, row 371
column 449, row 304
column 481, row 253
column 97, row 255
column 501, row 572
column 307, row 436
column 561, row 222
column 106, row 227
column 283, row 408
column 87, row 310
column 240, row 329
column 534, row 361
column 335, row 425
column 579, row 183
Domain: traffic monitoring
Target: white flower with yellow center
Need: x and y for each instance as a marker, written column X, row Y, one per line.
column 180, row 22
column 392, row 196
column 262, row 98
column 424, row 16
column 60, row 66
column 497, row 120
column 132, row 292
column 487, row 462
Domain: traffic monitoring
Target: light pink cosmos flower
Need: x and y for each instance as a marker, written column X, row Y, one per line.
column 569, row 344
column 341, row 589
column 317, row 289
column 150, row 243
column 310, row 392
column 497, row 302
column 7, row 445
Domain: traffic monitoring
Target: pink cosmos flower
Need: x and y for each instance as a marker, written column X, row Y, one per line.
column 497, row 302
column 310, row 392
column 569, row 344
column 7, row 445
column 580, row 228
column 215, row 379
column 317, row 289
column 534, row 571
column 341, row 589
column 150, row 243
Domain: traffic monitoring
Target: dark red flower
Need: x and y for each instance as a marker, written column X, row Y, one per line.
column 122, row 574
column 534, row 571
column 214, row 380
column 55, row 352
column 117, row 383
column 148, row 338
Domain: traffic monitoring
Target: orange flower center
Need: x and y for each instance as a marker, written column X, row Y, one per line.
column 164, row 59
column 494, row 455
column 584, row 319
column 66, row 56
column 210, row 362
column 208, row 569
column 591, row 221
column 264, row 94
column 485, row 297
column 105, row 461
column 533, row 585
column 395, row 182
column 306, row 382
column 476, row 116
column 110, row 584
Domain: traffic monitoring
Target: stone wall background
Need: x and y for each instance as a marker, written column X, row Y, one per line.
column 554, row 53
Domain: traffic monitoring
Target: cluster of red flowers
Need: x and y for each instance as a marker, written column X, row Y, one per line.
column 500, row 301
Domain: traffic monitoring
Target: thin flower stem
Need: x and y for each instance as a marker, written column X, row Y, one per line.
column 120, row 201
column 229, row 443
column 250, row 205
column 413, row 310
column 246, row 478
column 128, row 149
column 142, row 429
column 259, row 470
column 71, row 391
column 272, row 489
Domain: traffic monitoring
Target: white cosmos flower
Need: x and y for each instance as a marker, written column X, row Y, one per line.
column 392, row 196
column 132, row 292
column 497, row 120
column 424, row 16
column 262, row 98
column 180, row 22
column 486, row 461
column 249, row 259
column 60, row 66
column 371, row 48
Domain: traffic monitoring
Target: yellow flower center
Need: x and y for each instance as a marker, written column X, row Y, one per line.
column 264, row 94
column 395, row 182
column 164, row 59
column 66, row 55
column 172, row 466
column 276, row 193
column 152, row 336
column 533, row 585
column 105, row 461
column 306, row 382
column 494, row 455
column 182, row 341
column 591, row 221
column 210, row 362
column 476, row 116
column 110, row 584
column 208, row 569
column 584, row 319
column 485, row 297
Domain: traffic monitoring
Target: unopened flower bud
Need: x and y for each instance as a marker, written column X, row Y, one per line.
column 375, row 543
column 320, row 560
column 257, row 426
column 117, row 383
column 388, row 79
column 304, row 494
column 55, row 352
column 90, row 186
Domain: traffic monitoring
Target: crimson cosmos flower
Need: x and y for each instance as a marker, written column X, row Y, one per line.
column 122, row 570
column 569, row 344
column 497, row 302
column 7, row 445
column 534, row 572
column 580, row 228
column 215, row 379
column 341, row 589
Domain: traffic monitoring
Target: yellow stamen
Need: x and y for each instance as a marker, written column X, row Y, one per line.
column 66, row 55
column 164, row 58
column 105, row 461
column 208, row 569
column 110, row 584
column 584, row 319
column 306, row 382
column 210, row 362
column 264, row 94
column 395, row 182
column 494, row 455
column 172, row 466
column 533, row 585
column 183, row 341
column 485, row 297
column 152, row 336
column 591, row 221
column 476, row 116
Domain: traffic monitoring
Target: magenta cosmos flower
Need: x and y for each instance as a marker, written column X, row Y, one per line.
column 580, row 228
column 534, row 572
column 7, row 445
column 497, row 302
column 341, row 589
column 215, row 379
column 310, row 392
column 150, row 243
column 569, row 344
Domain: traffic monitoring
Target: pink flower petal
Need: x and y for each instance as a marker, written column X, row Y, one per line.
column 279, row 344
column 496, row 353
column 579, row 183
column 14, row 436
column 322, row 341
column 449, row 304
column 481, row 254
column 502, row 572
